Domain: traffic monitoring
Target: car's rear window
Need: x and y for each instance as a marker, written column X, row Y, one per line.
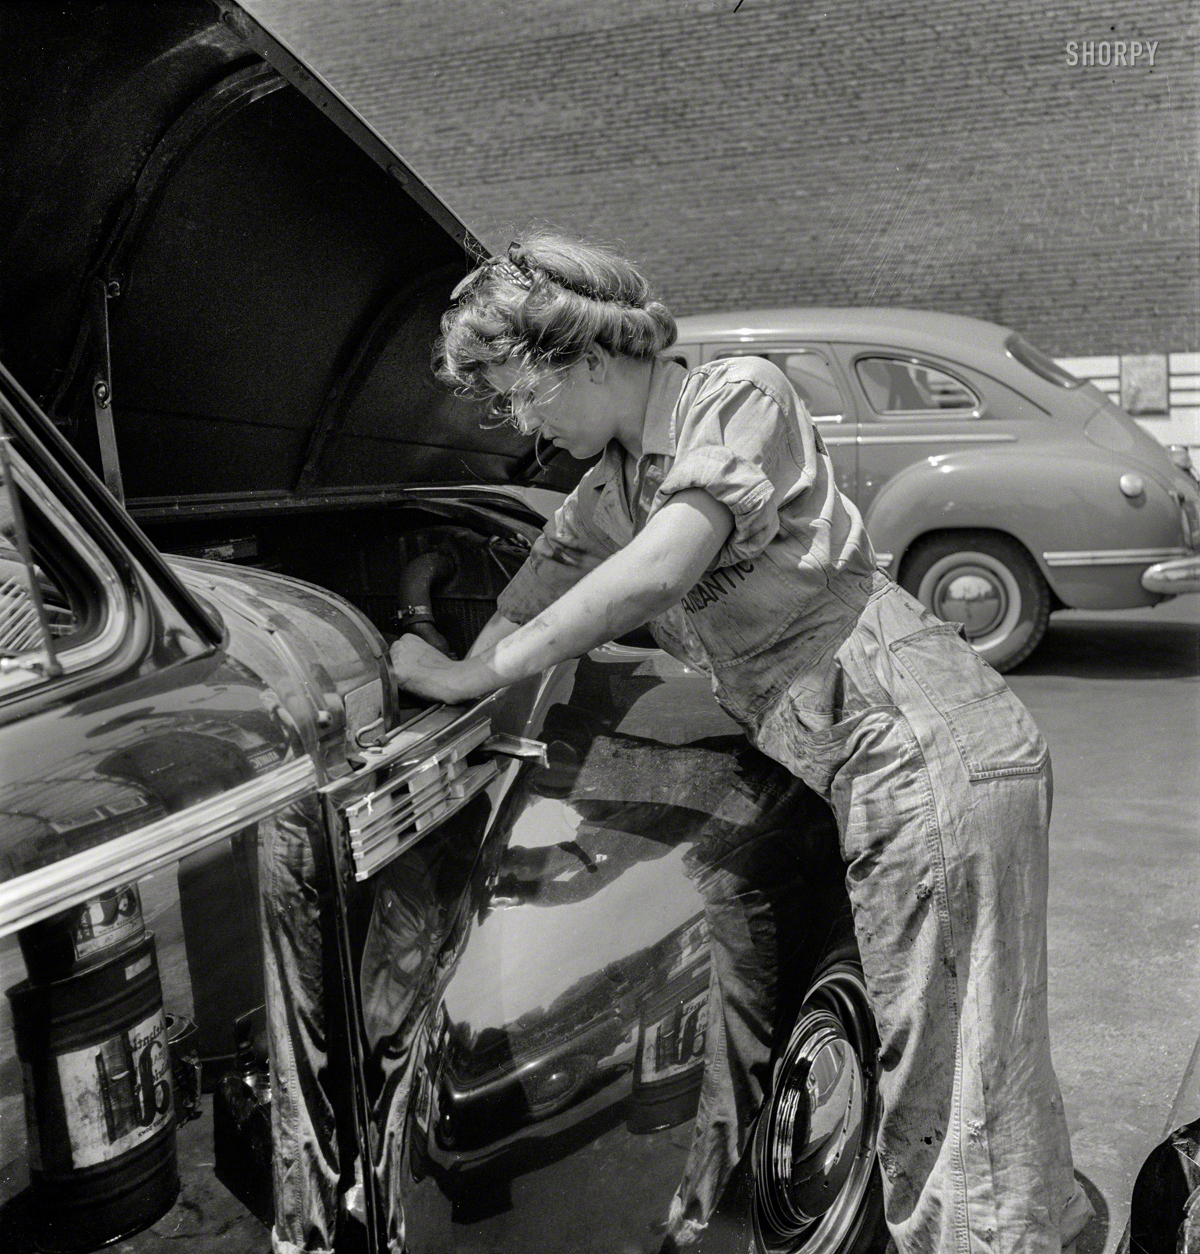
column 1039, row 363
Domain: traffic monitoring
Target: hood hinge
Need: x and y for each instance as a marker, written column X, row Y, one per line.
column 110, row 463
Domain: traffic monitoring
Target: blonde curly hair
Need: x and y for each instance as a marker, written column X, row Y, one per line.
column 541, row 306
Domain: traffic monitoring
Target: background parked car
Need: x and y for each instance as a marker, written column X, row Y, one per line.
column 995, row 486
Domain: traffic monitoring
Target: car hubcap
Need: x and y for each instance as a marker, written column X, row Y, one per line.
column 814, row 1146
column 977, row 590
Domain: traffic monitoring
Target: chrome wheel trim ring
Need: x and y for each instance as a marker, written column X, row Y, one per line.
column 946, row 589
column 835, row 1014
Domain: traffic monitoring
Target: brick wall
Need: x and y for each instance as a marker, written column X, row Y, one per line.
column 941, row 155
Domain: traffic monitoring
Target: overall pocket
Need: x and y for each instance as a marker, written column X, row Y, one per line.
column 992, row 730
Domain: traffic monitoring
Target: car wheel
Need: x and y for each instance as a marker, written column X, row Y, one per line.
column 816, row 1183
column 989, row 583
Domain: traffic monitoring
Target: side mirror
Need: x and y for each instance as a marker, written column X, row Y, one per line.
column 26, row 642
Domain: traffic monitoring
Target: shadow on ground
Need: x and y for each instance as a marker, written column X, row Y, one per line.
column 1115, row 648
column 1094, row 1237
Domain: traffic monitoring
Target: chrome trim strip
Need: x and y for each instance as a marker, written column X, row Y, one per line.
column 372, row 850
column 410, row 789
column 1110, row 557
column 883, row 561
column 1173, row 578
column 939, row 437
column 837, row 439
column 41, row 893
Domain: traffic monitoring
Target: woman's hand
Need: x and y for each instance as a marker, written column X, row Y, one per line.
column 423, row 671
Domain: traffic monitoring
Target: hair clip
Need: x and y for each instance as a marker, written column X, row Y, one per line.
column 511, row 268
column 516, row 257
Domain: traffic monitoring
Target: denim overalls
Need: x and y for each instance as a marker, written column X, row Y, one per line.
column 938, row 778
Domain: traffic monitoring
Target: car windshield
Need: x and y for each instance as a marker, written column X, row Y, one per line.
column 1040, row 364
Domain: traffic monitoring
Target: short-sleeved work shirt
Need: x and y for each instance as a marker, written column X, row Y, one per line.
column 795, row 572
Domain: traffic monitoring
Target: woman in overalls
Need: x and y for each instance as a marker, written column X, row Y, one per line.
column 713, row 517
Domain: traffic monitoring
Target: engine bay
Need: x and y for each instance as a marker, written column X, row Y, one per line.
column 391, row 562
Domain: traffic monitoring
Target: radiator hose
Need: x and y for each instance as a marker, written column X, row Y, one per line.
column 415, row 611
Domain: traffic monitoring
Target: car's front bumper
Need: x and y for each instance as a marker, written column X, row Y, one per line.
column 1171, row 578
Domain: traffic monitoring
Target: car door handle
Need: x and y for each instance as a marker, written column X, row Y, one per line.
column 518, row 747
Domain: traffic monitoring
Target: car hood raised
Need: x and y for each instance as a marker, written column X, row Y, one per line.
column 193, row 219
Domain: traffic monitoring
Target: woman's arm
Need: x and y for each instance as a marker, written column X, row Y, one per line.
column 649, row 575
column 494, row 630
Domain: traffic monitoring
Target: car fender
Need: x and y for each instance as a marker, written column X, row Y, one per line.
column 323, row 658
column 564, row 1040
column 1063, row 502
column 322, row 664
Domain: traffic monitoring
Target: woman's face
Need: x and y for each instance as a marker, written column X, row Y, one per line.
column 570, row 408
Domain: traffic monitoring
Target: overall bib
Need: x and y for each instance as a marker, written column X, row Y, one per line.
column 939, row 782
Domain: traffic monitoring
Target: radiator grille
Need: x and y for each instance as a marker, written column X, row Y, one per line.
column 410, row 795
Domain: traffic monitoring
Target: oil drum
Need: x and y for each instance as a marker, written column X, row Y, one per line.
column 98, row 1100
column 83, row 936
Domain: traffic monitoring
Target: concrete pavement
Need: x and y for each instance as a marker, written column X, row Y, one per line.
column 1118, row 698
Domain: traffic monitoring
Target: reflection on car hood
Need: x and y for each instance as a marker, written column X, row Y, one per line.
column 194, row 217
column 322, row 657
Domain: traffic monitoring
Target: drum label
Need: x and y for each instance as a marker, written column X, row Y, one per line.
column 107, row 921
column 676, row 1041
column 117, row 1094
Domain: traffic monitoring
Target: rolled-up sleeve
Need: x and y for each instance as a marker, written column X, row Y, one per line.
column 740, row 439
column 565, row 551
